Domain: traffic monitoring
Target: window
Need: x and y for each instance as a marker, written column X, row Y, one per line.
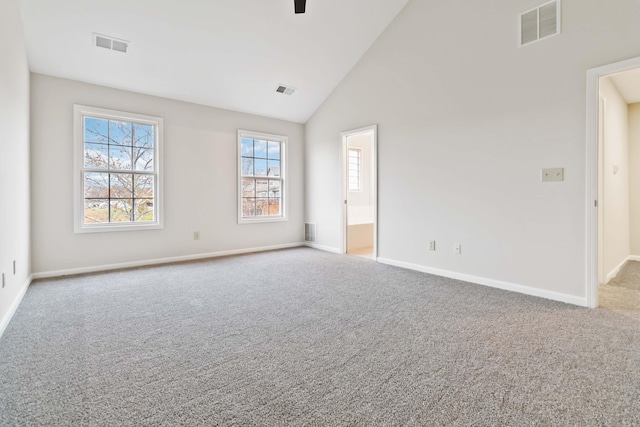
column 355, row 169
column 117, row 179
column 261, row 180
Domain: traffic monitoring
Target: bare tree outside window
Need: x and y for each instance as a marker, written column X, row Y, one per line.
column 118, row 177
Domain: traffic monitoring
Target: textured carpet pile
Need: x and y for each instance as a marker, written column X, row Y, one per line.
column 302, row 337
column 628, row 276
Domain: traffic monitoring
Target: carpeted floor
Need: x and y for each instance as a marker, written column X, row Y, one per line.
column 628, row 276
column 622, row 293
column 303, row 337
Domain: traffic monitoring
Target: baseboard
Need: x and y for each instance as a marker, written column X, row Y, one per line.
column 323, row 248
column 614, row 272
column 143, row 263
column 527, row 290
column 362, row 222
column 14, row 306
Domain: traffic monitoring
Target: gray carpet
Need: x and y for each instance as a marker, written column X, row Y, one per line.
column 628, row 276
column 302, row 337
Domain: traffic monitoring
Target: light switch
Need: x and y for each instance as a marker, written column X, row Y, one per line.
column 552, row 174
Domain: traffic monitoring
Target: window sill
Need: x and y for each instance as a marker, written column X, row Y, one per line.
column 243, row 221
column 115, row 228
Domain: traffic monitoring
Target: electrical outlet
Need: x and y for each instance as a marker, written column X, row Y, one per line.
column 196, row 235
column 14, row 267
column 457, row 249
column 432, row 245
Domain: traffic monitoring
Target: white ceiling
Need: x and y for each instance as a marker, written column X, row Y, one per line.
column 628, row 83
column 224, row 53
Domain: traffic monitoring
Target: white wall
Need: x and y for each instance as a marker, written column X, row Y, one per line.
column 14, row 159
column 616, row 184
column 634, row 178
column 200, row 182
column 466, row 121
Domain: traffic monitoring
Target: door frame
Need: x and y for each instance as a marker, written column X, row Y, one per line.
column 592, row 167
column 344, row 180
column 602, row 105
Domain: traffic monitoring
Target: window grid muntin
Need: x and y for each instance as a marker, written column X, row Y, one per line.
column 110, row 198
column 258, row 196
column 354, row 169
column 277, row 159
column 268, row 196
column 110, row 171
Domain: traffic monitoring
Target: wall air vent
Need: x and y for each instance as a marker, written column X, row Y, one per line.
column 540, row 23
column 110, row 43
column 285, row 90
column 309, row 232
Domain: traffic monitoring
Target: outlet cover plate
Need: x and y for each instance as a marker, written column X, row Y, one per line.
column 552, row 174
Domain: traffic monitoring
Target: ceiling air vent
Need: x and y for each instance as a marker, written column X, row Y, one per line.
column 285, row 90
column 540, row 23
column 111, row 43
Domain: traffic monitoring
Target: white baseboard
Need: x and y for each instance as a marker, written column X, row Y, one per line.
column 323, row 248
column 366, row 221
column 143, row 263
column 527, row 290
column 14, row 306
column 614, row 272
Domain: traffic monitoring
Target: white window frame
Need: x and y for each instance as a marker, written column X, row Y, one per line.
column 82, row 111
column 283, row 140
column 359, row 151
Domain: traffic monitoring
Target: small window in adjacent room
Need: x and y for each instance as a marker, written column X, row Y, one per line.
column 117, row 179
column 261, row 177
column 355, row 169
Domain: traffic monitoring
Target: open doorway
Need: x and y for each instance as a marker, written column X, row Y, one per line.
column 359, row 189
column 613, row 175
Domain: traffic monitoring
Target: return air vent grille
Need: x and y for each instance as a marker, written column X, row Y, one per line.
column 103, row 42
column 309, row 232
column 286, row 90
column 110, row 43
column 119, row 46
column 540, row 23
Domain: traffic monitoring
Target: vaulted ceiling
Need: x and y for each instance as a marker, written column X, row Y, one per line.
column 225, row 53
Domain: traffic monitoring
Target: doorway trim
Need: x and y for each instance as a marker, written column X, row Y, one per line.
column 343, row 185
column 593, row 132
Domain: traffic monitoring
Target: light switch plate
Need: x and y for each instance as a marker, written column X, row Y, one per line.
column 552, row 174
